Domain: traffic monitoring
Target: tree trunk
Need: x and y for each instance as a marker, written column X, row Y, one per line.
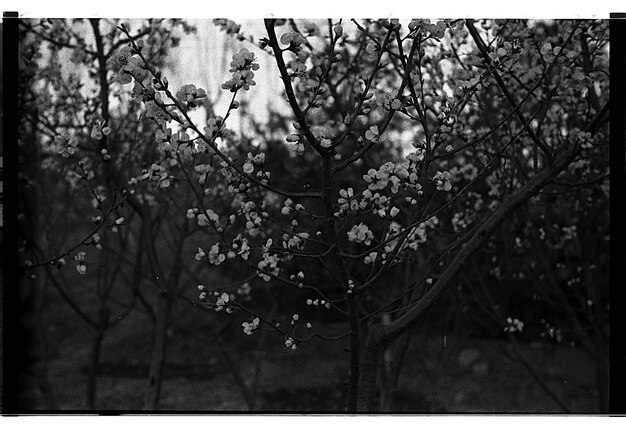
column 44, row 382
column 94, row 362
column 369, row 369
column 393, row 361
column 355, row 347
column 602, row 377
column 159, row 351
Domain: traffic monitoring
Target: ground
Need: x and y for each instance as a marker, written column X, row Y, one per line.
column 442, row 373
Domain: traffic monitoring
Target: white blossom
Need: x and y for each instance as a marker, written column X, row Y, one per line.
column 360, row 234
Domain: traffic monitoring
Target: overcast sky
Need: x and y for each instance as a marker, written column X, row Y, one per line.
column 203, row 59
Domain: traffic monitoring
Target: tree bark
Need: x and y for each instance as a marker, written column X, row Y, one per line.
column 395, row 354
column 163, row 309
column 159, row 352
column 94, row 362
column 394, row 359
column 369, row 368
column 602, row 377
column 44, row 382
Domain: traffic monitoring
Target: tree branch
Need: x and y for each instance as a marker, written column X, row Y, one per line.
column 475, row 242
column 483, row 50
column 280, row 62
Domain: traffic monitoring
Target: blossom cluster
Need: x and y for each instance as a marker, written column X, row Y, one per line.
column 209, row 217
column 254, row 218
column 252, row 160
column 384, row 101
column 244, row 290
column 378, row 203
column 318, row 302
column 215, row 127
column 190, row 95
column 323, row 135
column 220, row 299
column 123, row 62
column 289, row 207
column 514, row 325
column 155, row 111
column 295, row 41
column 296, row 140
column 396, row 175
column 81, row 267
column 241, row 247
column 99, row 130
column 296, row 241
column 462, row 219
column 156, row 173
column 416, row 236
column 229, row 26
column 442, row 181
column 346, row 201
column 269, row 264
column 374, row 135
column 360, row 234
column 290, row 343
column 215, row 257
column 241, row 67
column 435, row 30
column 249, row 327
column 203, row 170
column 65, row 145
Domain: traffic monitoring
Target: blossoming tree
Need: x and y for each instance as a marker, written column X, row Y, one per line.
column 419, row 140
